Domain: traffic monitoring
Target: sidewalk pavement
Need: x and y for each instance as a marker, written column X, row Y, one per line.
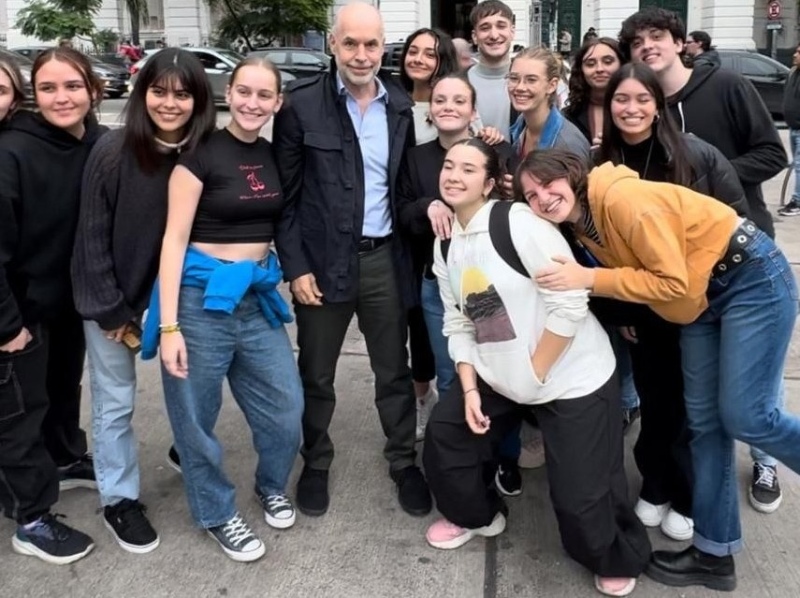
column 366, row 546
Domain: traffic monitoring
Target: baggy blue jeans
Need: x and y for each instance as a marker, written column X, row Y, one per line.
column 259, row 364
column 732, row 358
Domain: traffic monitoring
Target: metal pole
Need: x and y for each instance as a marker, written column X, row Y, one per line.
column 773, row 51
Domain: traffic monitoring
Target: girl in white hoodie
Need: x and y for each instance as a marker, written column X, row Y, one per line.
column 518, row 347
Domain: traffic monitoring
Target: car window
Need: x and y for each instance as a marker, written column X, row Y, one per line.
column 277, row 57
column 754, row 67
column 303, row 59
column 209, row 61
column 727, row 61
column 231, row 56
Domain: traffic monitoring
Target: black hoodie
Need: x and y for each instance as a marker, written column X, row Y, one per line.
column 724, row 109
column 40, row 178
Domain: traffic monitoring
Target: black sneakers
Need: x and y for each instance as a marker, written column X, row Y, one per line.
column 127, row 521
column 790, row 209
column 508, row 478
column 51, row 541
column 412, row 491
column 765, row 491
column 78, row 475
column 312, row 492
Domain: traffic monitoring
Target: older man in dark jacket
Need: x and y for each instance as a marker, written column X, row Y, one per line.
column 339, row 141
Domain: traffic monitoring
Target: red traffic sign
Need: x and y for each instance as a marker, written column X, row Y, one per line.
column 774, row 10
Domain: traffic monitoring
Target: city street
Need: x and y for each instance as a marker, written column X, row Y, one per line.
column 366, row 546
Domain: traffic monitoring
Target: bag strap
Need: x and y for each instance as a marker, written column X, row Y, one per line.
column 500, row 234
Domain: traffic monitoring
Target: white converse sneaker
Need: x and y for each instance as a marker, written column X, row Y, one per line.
column 677, row 527
column 424, row 406
column 649, row 514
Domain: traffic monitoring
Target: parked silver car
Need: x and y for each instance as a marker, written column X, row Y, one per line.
column 218, row 64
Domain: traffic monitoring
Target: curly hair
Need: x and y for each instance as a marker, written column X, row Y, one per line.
column 579, row 90
column 651, row 17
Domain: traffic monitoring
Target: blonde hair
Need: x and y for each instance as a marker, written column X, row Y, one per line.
column 552, row 65
column 11, row 69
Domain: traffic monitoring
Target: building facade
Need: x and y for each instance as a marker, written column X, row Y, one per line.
column 737, row 24
column 177, row 22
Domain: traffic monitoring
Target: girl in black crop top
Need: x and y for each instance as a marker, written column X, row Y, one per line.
column 222, row 316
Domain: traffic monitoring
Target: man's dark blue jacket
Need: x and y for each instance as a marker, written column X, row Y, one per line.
column 322, row 174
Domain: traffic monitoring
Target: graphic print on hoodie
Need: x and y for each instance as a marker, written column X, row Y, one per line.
column 486, row 309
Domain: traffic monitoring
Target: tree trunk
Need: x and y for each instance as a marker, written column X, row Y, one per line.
column 136, row 20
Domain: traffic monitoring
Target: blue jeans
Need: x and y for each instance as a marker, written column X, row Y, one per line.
column 112, row 375
column 794, row 140
column 433, row 310
column 630, row 400
column 260, row 367
column 733, row 357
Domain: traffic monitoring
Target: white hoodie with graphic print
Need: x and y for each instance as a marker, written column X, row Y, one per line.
column 494, row 316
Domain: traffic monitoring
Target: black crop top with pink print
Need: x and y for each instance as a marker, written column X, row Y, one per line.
column 241, row 200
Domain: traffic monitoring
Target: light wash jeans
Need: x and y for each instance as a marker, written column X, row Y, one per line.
column 732, row 358
column 260, row 367
column 112, row 376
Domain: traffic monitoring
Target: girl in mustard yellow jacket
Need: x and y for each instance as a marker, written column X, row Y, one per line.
column 694, row 262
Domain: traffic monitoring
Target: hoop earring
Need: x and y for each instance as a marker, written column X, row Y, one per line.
column 656, row 118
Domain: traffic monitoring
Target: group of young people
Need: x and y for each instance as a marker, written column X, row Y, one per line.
column 462, row 211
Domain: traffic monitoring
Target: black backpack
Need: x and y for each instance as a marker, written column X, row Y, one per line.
column 500, row 234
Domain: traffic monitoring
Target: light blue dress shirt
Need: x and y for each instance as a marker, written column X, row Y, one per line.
column 372, row 130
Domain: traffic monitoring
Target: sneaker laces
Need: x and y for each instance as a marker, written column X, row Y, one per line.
column 766, row 476
column 277, row 502
column 236, row 530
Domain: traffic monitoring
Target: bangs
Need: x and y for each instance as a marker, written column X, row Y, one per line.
column 173, row 78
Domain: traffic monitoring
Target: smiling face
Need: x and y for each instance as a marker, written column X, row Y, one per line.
column 633, row 110
column 452, row 106
column 599, row 63
column 421, row 60
column 528, row 85
column 554, row 201
column 356, row 42
column 62, row 95
column 493, row 35
column 462, row 181
column 170, row 107
column 253, row 96
column 656, row 48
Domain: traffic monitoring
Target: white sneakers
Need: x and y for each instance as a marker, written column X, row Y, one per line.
column 673, row 524
column 424, row 406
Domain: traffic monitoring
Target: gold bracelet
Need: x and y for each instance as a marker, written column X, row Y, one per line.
column 169, row 328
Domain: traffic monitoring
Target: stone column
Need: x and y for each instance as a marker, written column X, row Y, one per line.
column 729, row 22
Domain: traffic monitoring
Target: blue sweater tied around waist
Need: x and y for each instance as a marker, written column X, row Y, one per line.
column 225, row 285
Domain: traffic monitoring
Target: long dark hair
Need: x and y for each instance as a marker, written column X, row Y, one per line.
column 664, row 129
column 495, row 166
column 579, row 90
column 168, row 66
column 446, row 56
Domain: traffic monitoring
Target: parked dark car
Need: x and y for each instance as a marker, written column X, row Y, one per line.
column 391, row 57
column 114, row 77
column 300, row 62
column 768, row 75
column 25, row 65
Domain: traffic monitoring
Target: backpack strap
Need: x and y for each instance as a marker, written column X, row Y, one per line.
column 444, row 245
column 500, row 234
